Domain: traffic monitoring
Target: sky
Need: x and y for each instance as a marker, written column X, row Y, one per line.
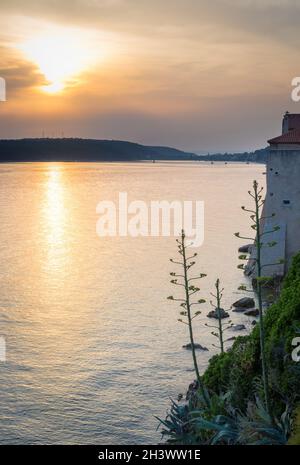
column 200, row 75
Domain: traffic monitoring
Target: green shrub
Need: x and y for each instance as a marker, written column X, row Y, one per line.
column 295, row 437
column 239, row 370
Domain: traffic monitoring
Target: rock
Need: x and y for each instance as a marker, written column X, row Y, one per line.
column 245, row 248
column 192, row 390
column 238, row 327
column 252, row 312
column 233, row 338
column 254, row 322
column 213, row 314
column 238, row 309
column 197, row 346
column 245, row 302
column 193, row 386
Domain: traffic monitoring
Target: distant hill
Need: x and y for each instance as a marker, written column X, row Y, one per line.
column 20, row 150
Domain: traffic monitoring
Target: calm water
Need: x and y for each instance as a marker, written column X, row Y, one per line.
column 93, row 347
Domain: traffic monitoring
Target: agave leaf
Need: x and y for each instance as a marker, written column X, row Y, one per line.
column 206, row 424
column 227, row 435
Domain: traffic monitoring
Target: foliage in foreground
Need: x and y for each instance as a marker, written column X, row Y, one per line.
column 238, row 370
column 257, row 217
column 185, row 280
column 187, row 425
column 236, row 413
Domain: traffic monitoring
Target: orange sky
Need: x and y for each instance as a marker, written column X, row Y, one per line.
column 198, row 75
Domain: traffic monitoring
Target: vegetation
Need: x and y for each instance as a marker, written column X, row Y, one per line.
column 295, row 437
column 259, row 156
column 233, row 380
column 222, row 327
column 256, row 217
column 250, row 393
column 74, row 149
column 187, row 317
column 68, row 149
column 187, row 424
column 238, row 370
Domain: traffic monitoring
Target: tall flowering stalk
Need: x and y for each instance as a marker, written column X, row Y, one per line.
column 221, row 327
column 187, row 316
column 256, row 217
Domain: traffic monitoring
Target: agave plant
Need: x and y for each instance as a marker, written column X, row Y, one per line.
column 180, row 425
column 187, row 425
column 259, row 427
column 256, row 427
column 225, row 429
column 175, row 428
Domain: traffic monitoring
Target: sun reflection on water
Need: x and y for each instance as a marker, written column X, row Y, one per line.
column 55, row 206
column 55, row 212
column 81, row 313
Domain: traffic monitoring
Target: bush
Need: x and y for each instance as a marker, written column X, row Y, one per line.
column 239, row 370
column 236, row 413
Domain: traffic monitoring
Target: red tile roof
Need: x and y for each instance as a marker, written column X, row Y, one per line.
column 291, row 137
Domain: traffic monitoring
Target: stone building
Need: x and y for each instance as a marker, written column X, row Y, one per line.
column 282, row 199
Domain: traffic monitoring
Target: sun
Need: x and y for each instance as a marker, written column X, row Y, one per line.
column 60, row 55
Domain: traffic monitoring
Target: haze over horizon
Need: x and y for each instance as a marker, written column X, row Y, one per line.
column 199, row 76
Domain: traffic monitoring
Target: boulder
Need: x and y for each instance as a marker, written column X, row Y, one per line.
column 197, row 346
column 252, row 312
column 254, row 322
column 192, row 390
column 245, row 248
column 214, row 314
column 245, row 302
column 239, row 309
column 238, row 327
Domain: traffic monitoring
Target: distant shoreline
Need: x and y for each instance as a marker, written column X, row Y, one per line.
column 158, row 162
column 93, row 150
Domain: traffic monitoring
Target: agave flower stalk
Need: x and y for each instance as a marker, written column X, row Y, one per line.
column 256, row 218
column 222, row 327
column 187, row 315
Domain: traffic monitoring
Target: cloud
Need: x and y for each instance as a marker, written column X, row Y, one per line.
column 20, row 75
column 196, row 74
column 277, row 19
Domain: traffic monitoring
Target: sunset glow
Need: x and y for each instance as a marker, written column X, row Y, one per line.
column 157, row 73
column 61, row 56
column 136, row 137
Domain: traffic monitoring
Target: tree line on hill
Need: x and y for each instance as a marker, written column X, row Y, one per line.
column 86, row 150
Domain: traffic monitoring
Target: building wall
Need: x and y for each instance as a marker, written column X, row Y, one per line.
column 287, row 147
column 283, row 195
